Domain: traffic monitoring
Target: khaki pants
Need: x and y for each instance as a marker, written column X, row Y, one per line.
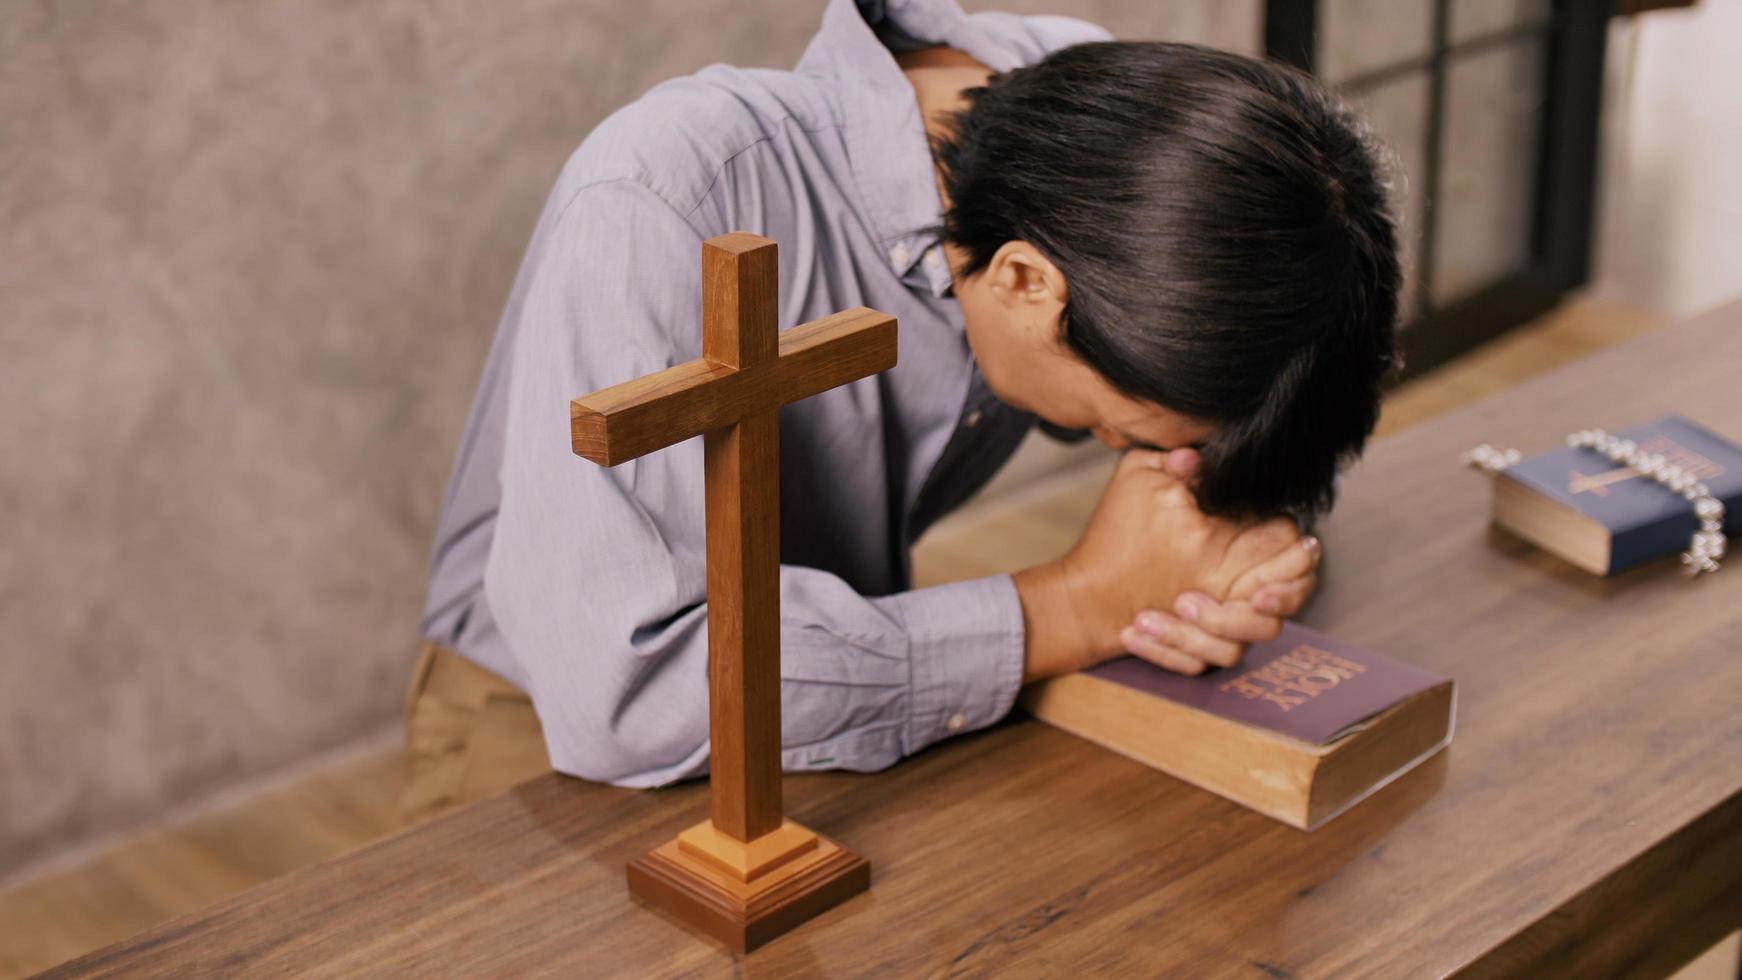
column 469, row 734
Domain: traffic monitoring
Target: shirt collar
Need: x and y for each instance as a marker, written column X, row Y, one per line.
column 884, row 134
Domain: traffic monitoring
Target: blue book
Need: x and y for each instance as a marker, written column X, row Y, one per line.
column 1606, row 518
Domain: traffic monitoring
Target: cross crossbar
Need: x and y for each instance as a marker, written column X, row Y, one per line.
column 681, row 402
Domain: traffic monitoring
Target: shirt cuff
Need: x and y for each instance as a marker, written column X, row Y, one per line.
column 965, row 647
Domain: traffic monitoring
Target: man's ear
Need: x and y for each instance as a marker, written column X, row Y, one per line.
column 1030, row 287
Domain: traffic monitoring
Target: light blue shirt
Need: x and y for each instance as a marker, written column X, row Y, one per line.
column 586, row 585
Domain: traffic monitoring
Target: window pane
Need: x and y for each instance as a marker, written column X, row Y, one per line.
column 1474, row 18
column 1397, row 111
column 1487, row 175
column 1359, row 36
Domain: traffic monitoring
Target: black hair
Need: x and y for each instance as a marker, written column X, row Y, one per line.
column 1224, row 228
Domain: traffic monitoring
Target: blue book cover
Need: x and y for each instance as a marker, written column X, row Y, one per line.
column 1645, row 519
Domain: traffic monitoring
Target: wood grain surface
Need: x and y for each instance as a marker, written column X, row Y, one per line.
column 743, row 514
column 1587, row 820
column 740, row 328
column 681, row 402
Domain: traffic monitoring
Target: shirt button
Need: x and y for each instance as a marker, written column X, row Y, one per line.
column 973, row 418
column 956, row 722
column 898, row 256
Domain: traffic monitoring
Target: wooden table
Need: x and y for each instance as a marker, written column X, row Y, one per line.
column 1587, row 820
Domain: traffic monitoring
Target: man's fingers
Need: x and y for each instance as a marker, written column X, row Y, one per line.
column 1284, row 598
column 1268, row 539
column 1234, row 621
column 1189, row 639
column 1142, row 644
column 1182, row 464
column 1149, row 459
column 1299, row 560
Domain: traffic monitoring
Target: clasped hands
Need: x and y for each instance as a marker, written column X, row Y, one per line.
column 1155, row 577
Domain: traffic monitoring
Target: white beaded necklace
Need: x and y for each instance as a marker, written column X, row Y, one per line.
column 1707, row 545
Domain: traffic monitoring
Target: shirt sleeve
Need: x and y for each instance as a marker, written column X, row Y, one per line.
column 597, row 577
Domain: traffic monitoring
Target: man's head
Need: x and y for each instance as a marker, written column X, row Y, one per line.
column 1176, row 246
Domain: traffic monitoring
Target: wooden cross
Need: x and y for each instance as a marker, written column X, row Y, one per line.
column 747, row 874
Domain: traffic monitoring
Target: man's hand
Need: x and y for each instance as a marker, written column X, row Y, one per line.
column 1201, row 632
column 1146, row 544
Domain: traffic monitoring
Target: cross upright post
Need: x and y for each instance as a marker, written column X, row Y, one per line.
column 747, row 874
column 741, row 463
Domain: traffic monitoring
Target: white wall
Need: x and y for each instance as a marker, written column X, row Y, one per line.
column 1669, row 223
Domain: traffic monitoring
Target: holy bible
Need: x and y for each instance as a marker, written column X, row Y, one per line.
column 1303, row 728
column 1604, row 517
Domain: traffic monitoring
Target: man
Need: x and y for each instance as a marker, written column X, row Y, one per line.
column 1184, row 252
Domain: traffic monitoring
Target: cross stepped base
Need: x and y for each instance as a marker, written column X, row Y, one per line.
column 745, row 908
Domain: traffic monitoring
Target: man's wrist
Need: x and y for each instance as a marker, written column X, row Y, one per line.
column 1057, row 639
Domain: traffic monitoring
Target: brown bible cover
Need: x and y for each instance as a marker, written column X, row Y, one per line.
column 1303, row 684
column 1304, row 727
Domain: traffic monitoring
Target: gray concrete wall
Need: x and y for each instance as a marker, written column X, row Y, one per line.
column 251, row 257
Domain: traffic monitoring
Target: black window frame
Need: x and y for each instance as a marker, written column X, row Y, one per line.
column 1564, row 196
